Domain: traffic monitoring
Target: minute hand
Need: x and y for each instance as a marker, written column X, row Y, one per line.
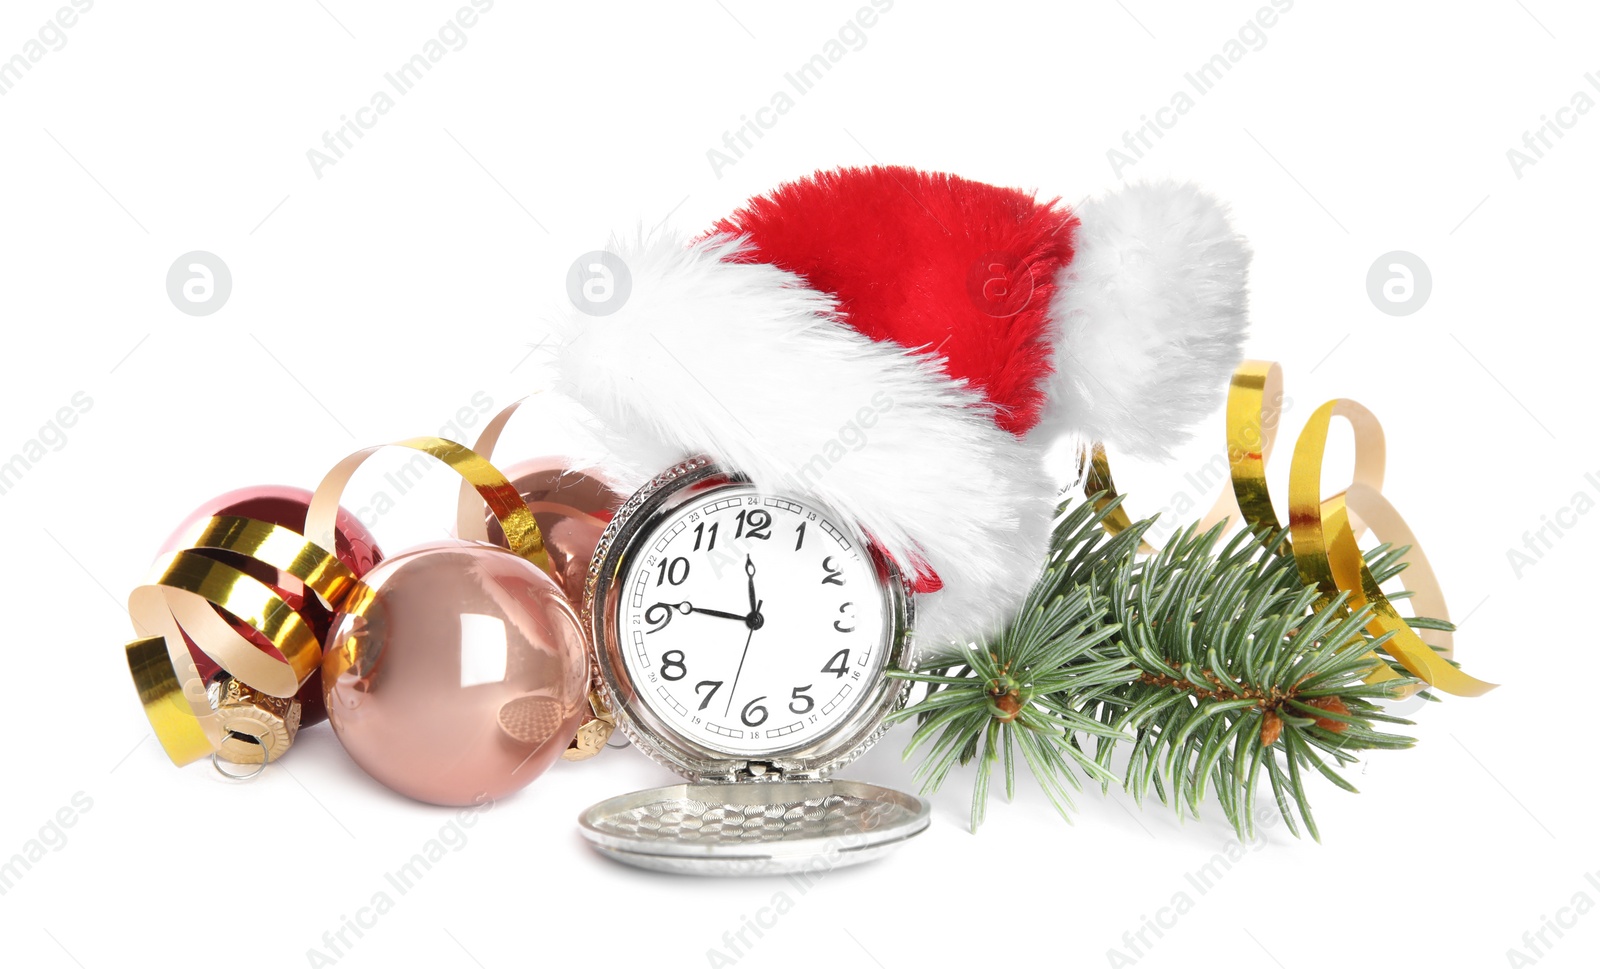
column 740, row 671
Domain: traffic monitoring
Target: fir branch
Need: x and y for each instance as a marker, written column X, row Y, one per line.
column 1208, row 666
column 1025, row 690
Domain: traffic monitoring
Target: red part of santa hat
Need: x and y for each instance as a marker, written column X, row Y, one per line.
column 932, row 262
column 906, row 346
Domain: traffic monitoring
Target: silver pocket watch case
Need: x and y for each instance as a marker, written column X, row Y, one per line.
column 773, row 813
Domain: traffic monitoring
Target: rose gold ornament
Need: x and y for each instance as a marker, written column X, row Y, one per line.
column 457, row 675
column 572, row 508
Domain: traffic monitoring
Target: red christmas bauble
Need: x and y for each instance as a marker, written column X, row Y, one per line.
column 286, row 507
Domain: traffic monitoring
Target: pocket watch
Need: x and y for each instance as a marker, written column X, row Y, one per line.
column 741, row 638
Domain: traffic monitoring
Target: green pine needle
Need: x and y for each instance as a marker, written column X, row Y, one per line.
column 1210, row 667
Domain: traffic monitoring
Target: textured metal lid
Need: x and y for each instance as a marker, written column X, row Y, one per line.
column 754, row 828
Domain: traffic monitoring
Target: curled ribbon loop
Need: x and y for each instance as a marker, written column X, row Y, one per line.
column 1323, row 533
column 482, row 478
column 194, row 598
column 470, row 522
column 1324, row 542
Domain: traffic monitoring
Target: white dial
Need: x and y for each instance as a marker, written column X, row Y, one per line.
column 751, row 623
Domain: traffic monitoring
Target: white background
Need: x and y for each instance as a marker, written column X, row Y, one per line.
column 371, row 303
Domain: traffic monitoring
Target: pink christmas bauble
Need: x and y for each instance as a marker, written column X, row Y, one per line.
column 572, row 508
column 285, row 506
column 458, row 675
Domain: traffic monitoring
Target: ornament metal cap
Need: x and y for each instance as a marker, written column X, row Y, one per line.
column 594, row 734
column 252, row 722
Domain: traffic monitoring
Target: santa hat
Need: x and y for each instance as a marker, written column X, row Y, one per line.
column 905, row 347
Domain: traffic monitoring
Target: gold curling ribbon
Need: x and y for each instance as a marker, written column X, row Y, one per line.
column 186, row 585
column 467, row 506
column 469, row 520
column 1323, row 533
column 179, row 599
column 484, row 479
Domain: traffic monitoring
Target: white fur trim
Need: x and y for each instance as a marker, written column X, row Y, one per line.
column 1150, row 318
column 745, row 363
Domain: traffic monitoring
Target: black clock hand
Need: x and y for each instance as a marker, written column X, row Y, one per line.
column 750, row 570
column 661, row 613
column 685, row 608
column 740, row 671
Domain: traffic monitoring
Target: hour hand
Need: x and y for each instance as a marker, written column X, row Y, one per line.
column 686, row 608
column 750, row 570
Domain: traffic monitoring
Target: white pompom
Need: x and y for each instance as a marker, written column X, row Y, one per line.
column 1150, row 318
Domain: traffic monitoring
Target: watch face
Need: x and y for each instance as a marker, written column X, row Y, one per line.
column 751, row 623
